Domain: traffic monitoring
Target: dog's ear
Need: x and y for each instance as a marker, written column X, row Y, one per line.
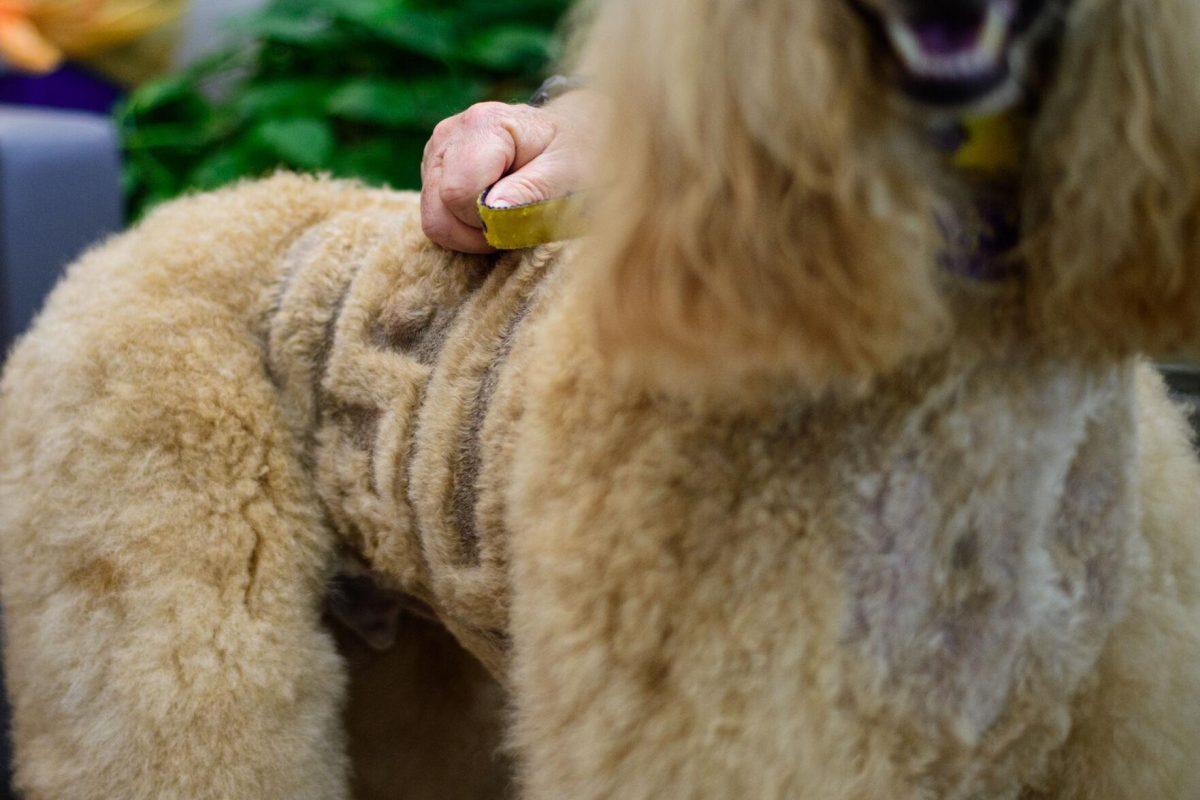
column 1113, row 233
column 760, row 211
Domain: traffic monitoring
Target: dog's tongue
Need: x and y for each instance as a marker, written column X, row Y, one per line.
column 944, row 37
column 955, row 48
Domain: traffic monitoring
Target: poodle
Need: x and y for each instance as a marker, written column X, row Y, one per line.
column 823, row 467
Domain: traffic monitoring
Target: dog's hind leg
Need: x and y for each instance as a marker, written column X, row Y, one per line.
column 162, row 551
column 1136, row 730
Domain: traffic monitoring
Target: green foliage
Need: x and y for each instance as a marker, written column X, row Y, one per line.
column 348, row 87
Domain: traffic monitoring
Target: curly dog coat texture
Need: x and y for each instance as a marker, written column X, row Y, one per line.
column 746, row 498
column 699, row 597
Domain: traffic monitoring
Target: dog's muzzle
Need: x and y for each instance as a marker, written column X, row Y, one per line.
column 955, row 52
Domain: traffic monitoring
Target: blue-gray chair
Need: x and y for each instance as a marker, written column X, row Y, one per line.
column 60, row 191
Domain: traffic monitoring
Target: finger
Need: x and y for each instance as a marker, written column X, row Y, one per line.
column 539, row 171
column 454, row 235
column 442, row 227
column 441, row 134
column 532, row 132
column 545, row 178
column 431, row 169
column 474, row 159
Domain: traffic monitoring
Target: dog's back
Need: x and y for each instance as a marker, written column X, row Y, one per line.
column 398, row 369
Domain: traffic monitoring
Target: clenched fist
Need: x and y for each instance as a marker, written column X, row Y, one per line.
column 530, row 154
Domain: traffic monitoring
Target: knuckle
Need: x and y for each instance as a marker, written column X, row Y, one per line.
column 430, row 155
column 444, row 128
column 458, row 191
column 482, row 115
column 433, row 224
column 434, row 155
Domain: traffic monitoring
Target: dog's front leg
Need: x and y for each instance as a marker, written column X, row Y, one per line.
column 643, row 675
column 1136, row 730
column 675, row 634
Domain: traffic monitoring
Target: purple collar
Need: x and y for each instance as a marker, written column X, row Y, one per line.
column 980, row 235
column 980, row 240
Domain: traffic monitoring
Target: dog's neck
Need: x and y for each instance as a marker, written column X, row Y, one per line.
column 981, row 220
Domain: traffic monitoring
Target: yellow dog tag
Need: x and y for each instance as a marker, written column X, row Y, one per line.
column 519, row 227
column 993, row 144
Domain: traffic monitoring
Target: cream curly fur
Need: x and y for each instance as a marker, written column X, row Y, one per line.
column 740, row 498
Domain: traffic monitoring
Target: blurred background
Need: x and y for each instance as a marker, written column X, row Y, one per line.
column 108, row 107
column 351, row 87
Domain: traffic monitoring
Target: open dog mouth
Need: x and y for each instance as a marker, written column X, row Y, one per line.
column 957, row 53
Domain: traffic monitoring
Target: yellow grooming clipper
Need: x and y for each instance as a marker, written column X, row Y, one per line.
column 519, row 227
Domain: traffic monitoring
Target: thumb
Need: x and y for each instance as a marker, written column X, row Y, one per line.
column 544, row 178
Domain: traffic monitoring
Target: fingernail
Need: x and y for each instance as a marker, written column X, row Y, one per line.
column 499, row 203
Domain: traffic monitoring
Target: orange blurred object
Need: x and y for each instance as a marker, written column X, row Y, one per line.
column 36, row 35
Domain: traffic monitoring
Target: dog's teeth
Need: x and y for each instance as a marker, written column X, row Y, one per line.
column 982, row 57
column 905, row 41
column 995, row 29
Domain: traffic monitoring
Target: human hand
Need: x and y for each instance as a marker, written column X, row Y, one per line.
column 529, row 154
